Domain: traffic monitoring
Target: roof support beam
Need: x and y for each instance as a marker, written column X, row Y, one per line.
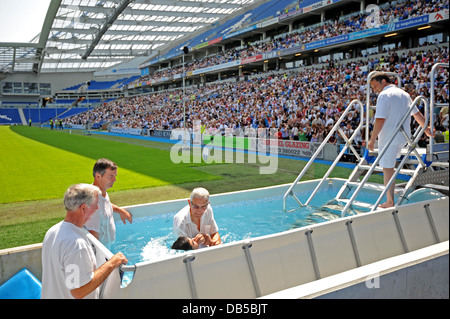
column 48, row 22
column 126, row 33
column 193, row 4
column 176, row 23
column 122, row 6
column 47, row 26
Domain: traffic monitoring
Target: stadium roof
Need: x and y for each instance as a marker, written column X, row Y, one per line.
column 85, row 35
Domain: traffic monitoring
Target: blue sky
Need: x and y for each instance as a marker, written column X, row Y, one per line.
column 21, row 20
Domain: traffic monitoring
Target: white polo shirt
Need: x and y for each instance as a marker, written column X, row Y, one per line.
column 392, row 105
column 184, row 226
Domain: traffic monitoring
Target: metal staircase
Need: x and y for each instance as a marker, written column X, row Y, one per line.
column 424, row 166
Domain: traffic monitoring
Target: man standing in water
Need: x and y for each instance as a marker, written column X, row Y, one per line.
column 101, row 224
column 197, row 218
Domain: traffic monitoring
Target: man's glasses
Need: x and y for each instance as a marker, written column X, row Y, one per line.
column 194, row 206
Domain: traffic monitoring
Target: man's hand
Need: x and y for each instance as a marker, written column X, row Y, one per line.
column 118, row 260
column 199, row 239
column 100, row 276
column 215, row 239
column 371, row 145
column 124, row 214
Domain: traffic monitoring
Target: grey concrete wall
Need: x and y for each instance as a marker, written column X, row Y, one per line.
column 14, row 259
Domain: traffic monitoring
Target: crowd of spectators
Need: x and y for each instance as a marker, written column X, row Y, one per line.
column 357, row 22
column 299, row 106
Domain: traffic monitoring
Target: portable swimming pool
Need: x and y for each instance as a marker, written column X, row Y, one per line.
column 267, row 251
column 150, row 237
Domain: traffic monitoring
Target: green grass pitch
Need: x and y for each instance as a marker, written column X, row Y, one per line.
column 41, row 164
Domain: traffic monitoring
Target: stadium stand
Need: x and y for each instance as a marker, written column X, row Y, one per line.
column 303, row 104
column 320, row 31
column 291, row 66
column 273, row 96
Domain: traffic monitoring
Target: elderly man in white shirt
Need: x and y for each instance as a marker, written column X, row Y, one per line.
column 69, row 264
column 197, row 218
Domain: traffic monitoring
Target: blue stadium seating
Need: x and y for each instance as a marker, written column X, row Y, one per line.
column 104, row 85
column 129, row 80
column 9, row 116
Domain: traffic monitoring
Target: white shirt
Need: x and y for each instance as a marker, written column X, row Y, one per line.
column 392, row 105
column 68, row 262
column 184, row 226
column 102, row 221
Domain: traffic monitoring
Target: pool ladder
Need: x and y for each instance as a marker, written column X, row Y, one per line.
column 365, row 167
column 423, row 169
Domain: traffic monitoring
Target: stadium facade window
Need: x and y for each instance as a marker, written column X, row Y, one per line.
column 7, row 87
column 388, row 46
column 26, row 88
column 30, row 88
column 45, row 89
column 299, row 63
column 338, row 56
column 17, row 88
column 431, row 39
column 369, row 51
column 289, row 65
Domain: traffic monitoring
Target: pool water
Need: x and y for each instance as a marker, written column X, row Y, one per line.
column 150, row 238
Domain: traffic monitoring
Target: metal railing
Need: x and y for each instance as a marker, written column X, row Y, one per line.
column 411, row 148
column 336, row 128
column 433, row 103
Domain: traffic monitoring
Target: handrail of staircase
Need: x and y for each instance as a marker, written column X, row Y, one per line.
column 335, row 128
column 344, row 149
column 412, row 145
column 432, row 98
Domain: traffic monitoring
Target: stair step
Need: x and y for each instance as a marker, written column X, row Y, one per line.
column 404, row 151
column 357, row 203
column 380, row 169
column 375, row 187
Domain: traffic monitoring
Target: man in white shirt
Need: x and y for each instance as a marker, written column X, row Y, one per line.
column 69, row 267
column 392, row 105
column 101, row 224
column 197, row 218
